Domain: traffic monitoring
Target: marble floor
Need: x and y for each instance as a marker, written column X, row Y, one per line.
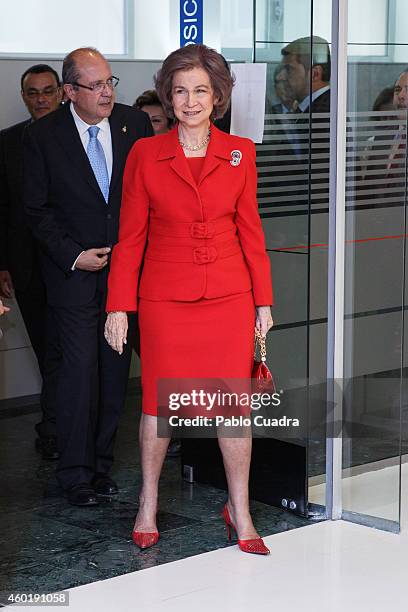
column 48, row 545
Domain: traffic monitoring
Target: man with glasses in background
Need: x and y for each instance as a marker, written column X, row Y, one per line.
column 396, row 156
column 400, row 94
column 388, row 148
column 20, row 274
column 74, row 162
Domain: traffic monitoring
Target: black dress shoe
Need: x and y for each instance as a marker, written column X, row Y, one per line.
column 104, row 486
column 82, row 495
column 47, row 446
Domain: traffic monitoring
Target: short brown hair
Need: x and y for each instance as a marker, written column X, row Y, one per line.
column 310, row 52
column 196, row 56
column 147, row 98
column 150, row 98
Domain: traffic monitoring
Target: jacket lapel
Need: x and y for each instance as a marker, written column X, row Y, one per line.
column 70, row 141
column 172, row 150
column 119, row 135
column 217, row 149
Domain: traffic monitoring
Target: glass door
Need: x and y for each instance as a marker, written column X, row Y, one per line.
column 341, row 216
column 293, row 38
column 375, row 263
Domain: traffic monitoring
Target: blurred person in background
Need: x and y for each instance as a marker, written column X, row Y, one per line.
column 284, row 92
column 307, row 67
column 20, row 274
column 378, row 145
column 400, row 98
column 306, row 70
column 149, row 103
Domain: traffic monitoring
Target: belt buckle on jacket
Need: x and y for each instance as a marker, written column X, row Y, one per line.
column 202, row 230
column 204, row 255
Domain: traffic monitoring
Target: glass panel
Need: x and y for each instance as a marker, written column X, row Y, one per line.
column 236, row 23
column 293, row 192
column 374, row 269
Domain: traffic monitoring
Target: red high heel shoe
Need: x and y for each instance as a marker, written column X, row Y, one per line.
column 255, row 545
column 145, row 539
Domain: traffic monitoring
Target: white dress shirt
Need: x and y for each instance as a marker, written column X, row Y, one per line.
column 104, row 137
column 304, row 104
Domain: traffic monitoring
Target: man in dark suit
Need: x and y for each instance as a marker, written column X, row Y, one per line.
column 306, row 67
column 74, row 161
column 307, row 71
column 20, row 274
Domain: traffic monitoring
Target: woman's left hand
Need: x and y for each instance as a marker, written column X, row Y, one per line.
column 116, row 329
column 3, row 308
column 264, row 320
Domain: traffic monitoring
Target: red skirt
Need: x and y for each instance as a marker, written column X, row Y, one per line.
column 208, row 338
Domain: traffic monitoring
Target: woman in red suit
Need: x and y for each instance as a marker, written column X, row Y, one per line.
column 190, row 216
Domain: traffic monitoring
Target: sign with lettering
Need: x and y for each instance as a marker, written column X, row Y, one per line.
column 191, row 22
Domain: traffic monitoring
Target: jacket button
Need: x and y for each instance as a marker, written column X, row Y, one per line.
column 109, row 216
column 202, row 230
column 203, row 255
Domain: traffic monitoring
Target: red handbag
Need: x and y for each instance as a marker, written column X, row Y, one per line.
column 263, row 379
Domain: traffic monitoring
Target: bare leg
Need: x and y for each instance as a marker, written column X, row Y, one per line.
column 153, row 451
column 236, row 453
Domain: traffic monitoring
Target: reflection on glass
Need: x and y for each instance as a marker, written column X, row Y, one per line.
column 375, row 280
column 293, row 192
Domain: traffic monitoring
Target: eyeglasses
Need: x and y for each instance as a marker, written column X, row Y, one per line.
column 35, row 93
column 398, row 89
column 99, row 85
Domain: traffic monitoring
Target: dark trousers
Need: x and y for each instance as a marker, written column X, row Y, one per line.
column 91, row 390
column 44, row 341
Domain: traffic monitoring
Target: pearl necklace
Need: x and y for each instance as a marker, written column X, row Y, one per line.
column 198, row 146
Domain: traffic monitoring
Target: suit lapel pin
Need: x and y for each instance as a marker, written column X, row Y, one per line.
column 124, row 129
column 236, row 157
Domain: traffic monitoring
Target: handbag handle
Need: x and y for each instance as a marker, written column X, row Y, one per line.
column 260, row 341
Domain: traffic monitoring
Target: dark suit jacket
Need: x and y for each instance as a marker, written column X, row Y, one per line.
column 320, row 149
column 18, row 249
column 321, row 104
column 64, row 204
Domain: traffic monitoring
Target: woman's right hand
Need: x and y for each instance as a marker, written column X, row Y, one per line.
column 3, row 308
column 116, row 328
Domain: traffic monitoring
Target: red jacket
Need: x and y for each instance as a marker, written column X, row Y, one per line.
column 194, row 241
